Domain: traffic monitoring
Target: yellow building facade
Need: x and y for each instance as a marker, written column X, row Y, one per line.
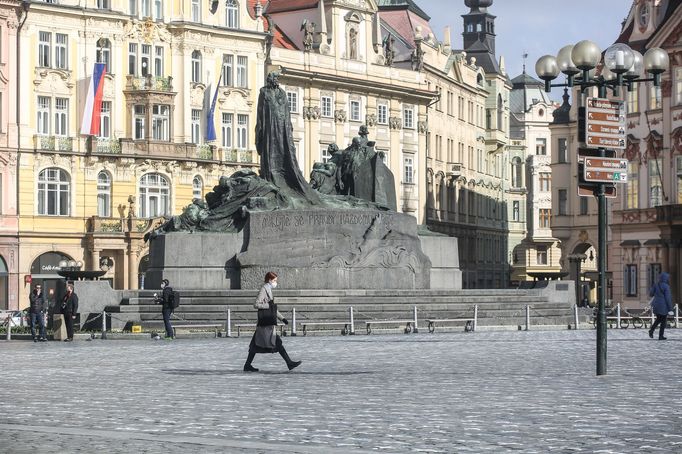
column 90, row 199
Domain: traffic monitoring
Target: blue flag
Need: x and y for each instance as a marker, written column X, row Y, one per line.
column 210, row 124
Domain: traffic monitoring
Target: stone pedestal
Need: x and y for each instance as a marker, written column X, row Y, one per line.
column 58, row 327
column 444, row 254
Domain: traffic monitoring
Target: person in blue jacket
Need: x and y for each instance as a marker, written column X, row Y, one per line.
column 661, row 304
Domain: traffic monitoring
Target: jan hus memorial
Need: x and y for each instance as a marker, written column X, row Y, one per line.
column 342, row 231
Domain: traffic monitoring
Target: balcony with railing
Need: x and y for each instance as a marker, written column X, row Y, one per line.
column 149, row 83
column 52, row 143
column 104, row 145
column 238, row 155
column 108, row 226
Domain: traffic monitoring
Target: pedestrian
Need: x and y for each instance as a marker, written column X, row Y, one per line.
column 661, row 304
column 37, row 313
column 69, row 310
column 265, row 339
column 167, row 307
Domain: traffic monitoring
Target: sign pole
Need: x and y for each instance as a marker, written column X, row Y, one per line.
column 601, row 268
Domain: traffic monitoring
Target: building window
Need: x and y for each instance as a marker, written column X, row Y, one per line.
column 516, row 211
column 355, row 110
column 231, row 14
column 545, row 181
column 139, row 119
column 154, row 196
column 541, row 147
column 382, row 114
column 132, row 59
column 146, row 59
column 197, row 188
column 292, row 98
column 678, row 85
column 103, row 195
column 104, row 4
column 158, row 61
column 545, row 215
column 654, row 97
column 227, row 130
column 562, row 147
column 44, row 49
column 196, row 66
column 228, row 62
column 326, row 102
column 242, row 75
column 655, row 185
column 325, row 155
column 196, row 11
column 242, row 131
column 517, row 172
column 43, row 115
column 103, row 54
column 105, row 120
column 408, row 170
column 132, row 7
column 654, row 271
column 630, row 280
column 563, row 202
column 632, row 187
column 160, row 122
column 61, row 117
column 583, row 206
column 500, row 113
column 158, row 9
column 196, row 126
column 542, row 255
column 679, row 178
column 53, row 192
column 61, row 51
column 633, row 99
column 408, row 118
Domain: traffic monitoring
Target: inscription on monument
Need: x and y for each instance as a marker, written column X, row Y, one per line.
column 280, row 222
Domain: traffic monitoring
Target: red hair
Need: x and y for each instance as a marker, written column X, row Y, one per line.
column 270, row 276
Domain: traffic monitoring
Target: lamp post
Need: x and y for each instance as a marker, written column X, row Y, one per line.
column 621, row 67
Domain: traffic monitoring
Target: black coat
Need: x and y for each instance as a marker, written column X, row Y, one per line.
column 166, row 297
column 37, row 303
column 70, row 304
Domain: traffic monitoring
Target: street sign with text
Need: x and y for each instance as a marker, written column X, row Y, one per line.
column 605, row 170
column 605, row 176
column 605, row 123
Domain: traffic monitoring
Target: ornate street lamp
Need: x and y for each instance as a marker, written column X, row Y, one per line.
column 622, row 67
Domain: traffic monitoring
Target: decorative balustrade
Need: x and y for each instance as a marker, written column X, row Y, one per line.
column 149, row 83
column 52, row 143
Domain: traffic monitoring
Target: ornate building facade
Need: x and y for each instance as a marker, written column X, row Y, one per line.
column 90, row 199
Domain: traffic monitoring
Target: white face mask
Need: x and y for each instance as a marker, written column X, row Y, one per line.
column 273, row 284
column 163, row 285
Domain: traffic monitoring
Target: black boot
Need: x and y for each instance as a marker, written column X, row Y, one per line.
column 290, row 364
column 247, row 366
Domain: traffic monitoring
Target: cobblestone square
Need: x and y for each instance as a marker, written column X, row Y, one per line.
column 482, row 392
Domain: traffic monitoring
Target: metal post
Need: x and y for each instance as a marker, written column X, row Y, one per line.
column 618, row 315
column 677, row 316
column 8, row 336
column 352, row 323
column 576, row 320
column 228, row 323
column 293, row 321
column 652, row 317
column 475, row 317
column 104, row 324
column 527, row 316
column 601, row 268
column 416, row 329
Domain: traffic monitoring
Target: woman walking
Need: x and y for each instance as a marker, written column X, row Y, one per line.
column 265, row 339
column 661, row 305
column 69, row 309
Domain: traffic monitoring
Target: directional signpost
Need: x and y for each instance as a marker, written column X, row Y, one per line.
column 606, row 170
column 604, row 123
column 587, row 188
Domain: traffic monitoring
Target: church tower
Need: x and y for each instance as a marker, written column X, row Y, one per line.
column 479, row 34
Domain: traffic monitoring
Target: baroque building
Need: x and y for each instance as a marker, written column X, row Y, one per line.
column 90, row 199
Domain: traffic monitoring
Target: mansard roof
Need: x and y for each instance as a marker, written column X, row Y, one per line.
column 387, row 5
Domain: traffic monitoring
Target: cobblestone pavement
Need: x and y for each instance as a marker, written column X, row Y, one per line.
column 484, row 392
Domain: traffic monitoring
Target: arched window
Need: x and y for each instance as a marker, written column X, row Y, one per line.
column 499, row 113
column 231, row 14
column 517, row 172
column 479, row 80
column 103, row 195
column 196, row 66
column 104, row 53
column 197, row 188
column 154, row 196
column 54, row 187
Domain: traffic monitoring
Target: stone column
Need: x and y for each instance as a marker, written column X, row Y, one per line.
column 94, row 259
column 133, row 264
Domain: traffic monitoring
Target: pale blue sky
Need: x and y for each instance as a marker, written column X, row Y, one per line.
column 537, row 27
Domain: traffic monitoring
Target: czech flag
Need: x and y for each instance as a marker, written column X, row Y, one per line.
column 93, row 103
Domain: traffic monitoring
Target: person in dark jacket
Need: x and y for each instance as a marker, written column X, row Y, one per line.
column 265, row 339
column 166, row 301
column 661, row 304
column 69, row 310
column 37, row 313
